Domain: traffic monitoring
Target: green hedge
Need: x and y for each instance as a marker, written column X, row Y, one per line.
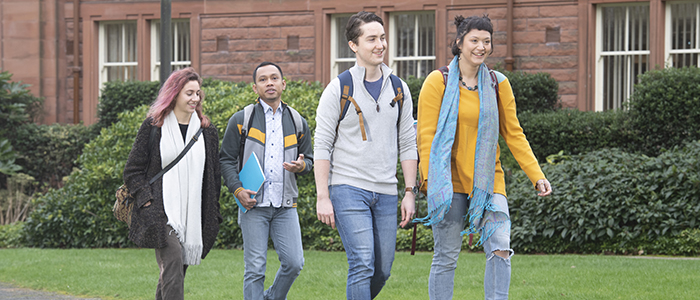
column 665, row 108
column 117, row 97
column 576, row 132
column 611, row 201
column 536, row 92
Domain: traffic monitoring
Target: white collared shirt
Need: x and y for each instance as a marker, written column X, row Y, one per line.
column 274, row 157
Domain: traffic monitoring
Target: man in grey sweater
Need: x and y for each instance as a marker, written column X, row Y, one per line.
column 355, row 160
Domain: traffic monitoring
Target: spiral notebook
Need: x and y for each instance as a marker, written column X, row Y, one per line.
column 251, row 176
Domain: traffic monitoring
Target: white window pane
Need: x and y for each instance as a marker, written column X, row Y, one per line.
column 344, row 50
column 426, row 25
column 113, row 44
column 625, row 52
column 121, row 73
column 684, row 25
column 413, row 43
column 130, row 37
column 405, row 35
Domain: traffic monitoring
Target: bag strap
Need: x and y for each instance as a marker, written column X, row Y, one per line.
column 346, row 88
column 247, row 122
column 179, row 157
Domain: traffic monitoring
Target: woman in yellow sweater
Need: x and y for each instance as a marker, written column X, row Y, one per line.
column 460, row 115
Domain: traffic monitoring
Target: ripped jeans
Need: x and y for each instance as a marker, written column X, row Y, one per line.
column 448, row 242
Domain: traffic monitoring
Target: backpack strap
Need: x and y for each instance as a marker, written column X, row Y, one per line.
column 298, row 124
column 247, row 122
column 346, row 89
column 398, row 87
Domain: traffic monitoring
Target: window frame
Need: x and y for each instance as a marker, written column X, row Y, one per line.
column 335, row 40
column 628, row 54
column 393, row 37
column 155, row 42
column 668, row 30
column 102, row 64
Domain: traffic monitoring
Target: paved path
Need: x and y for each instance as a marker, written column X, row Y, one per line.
column 11, row 292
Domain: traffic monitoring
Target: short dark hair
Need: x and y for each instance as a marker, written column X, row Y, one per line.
column 352, row 29
column 464, row 26
column 265, row 63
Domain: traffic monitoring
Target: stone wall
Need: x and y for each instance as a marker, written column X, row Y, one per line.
column 233, row 45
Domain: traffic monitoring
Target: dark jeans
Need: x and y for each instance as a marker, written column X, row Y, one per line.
column 171, row 283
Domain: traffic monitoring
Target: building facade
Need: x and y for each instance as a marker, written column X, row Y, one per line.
column 594, row 48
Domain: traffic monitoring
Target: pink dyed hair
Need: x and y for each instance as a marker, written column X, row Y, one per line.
column 165, row 102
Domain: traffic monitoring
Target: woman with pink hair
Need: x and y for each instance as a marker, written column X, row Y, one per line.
column 177, row 214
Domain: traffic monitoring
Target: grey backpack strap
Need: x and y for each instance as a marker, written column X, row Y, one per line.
column 298, row 124
column 247, row 121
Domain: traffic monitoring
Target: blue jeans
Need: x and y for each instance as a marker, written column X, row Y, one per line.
column 282, row 225
column 366, row 222
column 448, row 242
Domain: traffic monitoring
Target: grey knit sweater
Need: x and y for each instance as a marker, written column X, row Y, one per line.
column 370, row 164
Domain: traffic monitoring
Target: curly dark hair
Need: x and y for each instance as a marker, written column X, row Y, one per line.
column 465, row 25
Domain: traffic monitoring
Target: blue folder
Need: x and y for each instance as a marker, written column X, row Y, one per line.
column 251, row 176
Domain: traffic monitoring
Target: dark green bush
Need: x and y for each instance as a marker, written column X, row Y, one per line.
column 537, row 92
column 118, row 96
column 665, row 108
column 7, row 159
column 609, row 200
column 17, row 104
column 414, row 85
column 49, row 152
column 17, row 107
column 576, row 132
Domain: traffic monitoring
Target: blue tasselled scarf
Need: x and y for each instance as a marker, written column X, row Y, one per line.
column 440, row 189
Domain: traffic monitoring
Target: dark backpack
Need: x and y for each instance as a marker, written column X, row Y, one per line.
column 346, row 90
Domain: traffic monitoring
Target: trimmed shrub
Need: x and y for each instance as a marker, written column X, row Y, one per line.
column 118, row 96
column 576, row 132
column 609, row 201
column 537, row 92
column 665, row 108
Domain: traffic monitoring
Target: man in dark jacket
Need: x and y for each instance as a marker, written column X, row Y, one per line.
column 280, row 139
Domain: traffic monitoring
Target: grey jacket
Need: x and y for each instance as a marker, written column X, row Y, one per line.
column 370, row 164
column 255, row 142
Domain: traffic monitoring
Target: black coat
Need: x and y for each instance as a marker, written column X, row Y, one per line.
column 148, row 223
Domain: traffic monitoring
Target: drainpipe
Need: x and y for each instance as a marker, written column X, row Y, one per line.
column 509, row 36
column 76, row 61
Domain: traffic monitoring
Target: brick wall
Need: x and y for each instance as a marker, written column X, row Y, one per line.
column 545, row 39
column 232, row 46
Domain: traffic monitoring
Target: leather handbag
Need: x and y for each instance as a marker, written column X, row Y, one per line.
column 125, row 201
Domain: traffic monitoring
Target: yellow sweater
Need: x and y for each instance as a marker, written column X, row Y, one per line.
column 464, row 146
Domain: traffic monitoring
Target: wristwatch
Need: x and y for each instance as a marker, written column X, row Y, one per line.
column 412, row 189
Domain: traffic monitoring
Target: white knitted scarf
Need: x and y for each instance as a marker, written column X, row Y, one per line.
column 182, row 185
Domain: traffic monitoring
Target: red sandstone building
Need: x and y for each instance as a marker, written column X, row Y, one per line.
column 593, row 48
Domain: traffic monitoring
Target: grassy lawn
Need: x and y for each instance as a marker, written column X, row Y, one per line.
column 133, row 274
